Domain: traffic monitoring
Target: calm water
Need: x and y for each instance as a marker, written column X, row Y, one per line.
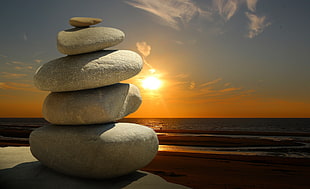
column 287, row 125
column 206, row 124
column 228, row 124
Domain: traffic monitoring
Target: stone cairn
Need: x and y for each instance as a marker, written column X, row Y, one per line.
column 85, row 102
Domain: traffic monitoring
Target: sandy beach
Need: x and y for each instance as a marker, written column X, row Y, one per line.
column 208, row 170
column 231, row 171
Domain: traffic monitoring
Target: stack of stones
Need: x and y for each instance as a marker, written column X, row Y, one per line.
column 86, row 100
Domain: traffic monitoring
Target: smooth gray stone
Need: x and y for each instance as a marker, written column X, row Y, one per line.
column 94, row 151
column 87, row 71
column 93, row 106
column 83, row 40
column 35, row 175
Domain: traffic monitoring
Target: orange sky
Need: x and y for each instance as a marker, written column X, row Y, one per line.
column 175, row 98
column 179, row 95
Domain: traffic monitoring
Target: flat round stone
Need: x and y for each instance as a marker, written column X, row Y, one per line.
column 96, row 151
column 84, row 21
column 83, row 40
column 87, row 71
column 93, row 106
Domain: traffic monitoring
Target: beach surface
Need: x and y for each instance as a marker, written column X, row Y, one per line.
column 214, row 170
column 231, row 171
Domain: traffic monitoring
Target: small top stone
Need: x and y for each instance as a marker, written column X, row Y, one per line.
column 84, row 21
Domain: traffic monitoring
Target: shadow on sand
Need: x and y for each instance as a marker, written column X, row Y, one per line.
column 35, row 175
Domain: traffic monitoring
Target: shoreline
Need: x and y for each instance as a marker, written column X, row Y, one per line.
column 183, row 140
column 250, row 133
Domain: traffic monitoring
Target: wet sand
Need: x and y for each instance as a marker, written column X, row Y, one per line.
column 207, row 171
column 219, row 141
column 226, row 171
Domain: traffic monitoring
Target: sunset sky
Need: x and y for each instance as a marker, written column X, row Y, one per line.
column 221, row 58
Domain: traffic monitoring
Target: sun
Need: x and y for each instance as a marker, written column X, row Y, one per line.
column 151, row 83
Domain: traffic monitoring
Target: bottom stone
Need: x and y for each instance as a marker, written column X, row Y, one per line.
column 21, row 171
column 94, row 151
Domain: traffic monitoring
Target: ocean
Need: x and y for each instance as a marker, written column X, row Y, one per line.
column 228, row 124
column 275, row 129
column 300, row 125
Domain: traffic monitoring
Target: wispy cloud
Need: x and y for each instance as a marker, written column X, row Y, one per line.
column 184, row 90
column 251, row 5
column 179, row 42
column 177, row 14
column 38, row 61
column 16, row 63
column 192, row 85
column 257, row 24
column 211, row 82
column 181, row 76
column 230, row 89
column 25, row 36
column 203, row 94
column 8, row 75
column 17, row 86
column 23, row 67
column 227, row 84
column 226, row 8
column 144, row 48
column 3, row 56
column 174, row 13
